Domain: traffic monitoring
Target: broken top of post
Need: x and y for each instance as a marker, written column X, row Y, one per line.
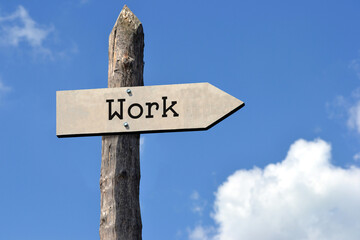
column 126, row 60
column 126, row 16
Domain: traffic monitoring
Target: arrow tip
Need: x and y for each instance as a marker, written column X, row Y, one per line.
column 224, row 103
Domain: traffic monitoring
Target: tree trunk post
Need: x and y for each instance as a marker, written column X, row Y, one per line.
column 120, row 217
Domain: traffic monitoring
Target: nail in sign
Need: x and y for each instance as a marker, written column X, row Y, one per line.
column 163, row 108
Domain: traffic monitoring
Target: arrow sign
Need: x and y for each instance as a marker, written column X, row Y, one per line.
column 164, row 108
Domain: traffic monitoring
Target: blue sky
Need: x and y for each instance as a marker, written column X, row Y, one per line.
column 286, row 166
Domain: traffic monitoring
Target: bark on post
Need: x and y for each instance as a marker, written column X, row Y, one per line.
column 120, row 164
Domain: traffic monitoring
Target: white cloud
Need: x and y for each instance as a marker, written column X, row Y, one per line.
column 200, row 233
column 337, row 108
column 195, row 195
column 302, row 197
column 354, row 110
column 354, row 117
column 357, row 157
column 355, row 65
column 20, row 27
column 346, row 108
column 3, row 89
column 198, row 204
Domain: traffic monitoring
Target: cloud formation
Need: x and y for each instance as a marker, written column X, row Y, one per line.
column 347, row 108
column 3, row 89
column 354, row 117
column 198, row 204
column 200, row 233
column 355, row 65
column 354, row 110
column 357, row 157
column 20, row 27
column 302, row 197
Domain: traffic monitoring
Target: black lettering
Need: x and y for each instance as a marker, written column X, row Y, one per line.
column 135, row 105
column 150, row 104
column 112, row 115
column 169, row 108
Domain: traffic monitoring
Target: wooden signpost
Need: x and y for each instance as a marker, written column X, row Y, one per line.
column 125, row 109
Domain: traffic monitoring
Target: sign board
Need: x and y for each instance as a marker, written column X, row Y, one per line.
column 181, row 107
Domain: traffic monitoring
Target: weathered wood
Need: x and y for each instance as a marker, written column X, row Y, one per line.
column 120, row 164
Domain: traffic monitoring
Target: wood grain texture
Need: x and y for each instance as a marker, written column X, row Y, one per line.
column 120, row 164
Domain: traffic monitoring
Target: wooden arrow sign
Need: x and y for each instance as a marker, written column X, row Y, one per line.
column 181, row 107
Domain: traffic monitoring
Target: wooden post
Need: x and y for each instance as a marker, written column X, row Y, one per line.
column 120, row 162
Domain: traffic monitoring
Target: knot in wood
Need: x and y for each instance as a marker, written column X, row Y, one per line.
column 127, row 61
column 122, row 174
